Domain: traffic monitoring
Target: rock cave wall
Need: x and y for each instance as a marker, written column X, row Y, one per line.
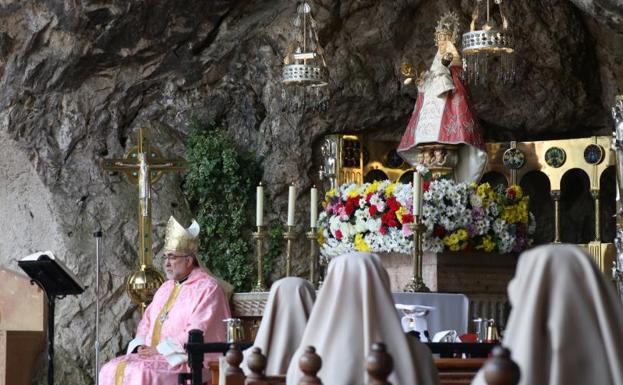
column 78, row 77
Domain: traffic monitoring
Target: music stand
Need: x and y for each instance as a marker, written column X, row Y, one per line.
column 56, row 281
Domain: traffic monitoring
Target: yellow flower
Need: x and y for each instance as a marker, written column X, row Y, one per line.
column 331, row 193
column 372, row 188
column 487, row 244
column 452, row 241
column 461, row 234
column 511, row 214
column 389, row 191
column 353, row 191
column 320, row 236
column 484, row 190
column 400, row 212
column 360, row 244
column 518, row 191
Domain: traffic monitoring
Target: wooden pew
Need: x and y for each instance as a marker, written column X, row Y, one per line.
column 452, row 371
column 458, row 371
column 498, row 370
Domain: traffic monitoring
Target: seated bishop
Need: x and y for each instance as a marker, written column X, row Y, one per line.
column 191, row 298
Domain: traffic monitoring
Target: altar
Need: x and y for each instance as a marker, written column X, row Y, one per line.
column 451, row 310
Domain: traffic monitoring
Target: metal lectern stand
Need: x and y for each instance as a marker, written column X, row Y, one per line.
column 56, row 281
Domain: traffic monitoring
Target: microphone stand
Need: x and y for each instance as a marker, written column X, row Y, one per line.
column 97, row 235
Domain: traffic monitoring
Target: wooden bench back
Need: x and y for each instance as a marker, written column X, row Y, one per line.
column 498, row 370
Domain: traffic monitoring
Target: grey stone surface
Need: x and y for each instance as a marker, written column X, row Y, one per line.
column 78, row 77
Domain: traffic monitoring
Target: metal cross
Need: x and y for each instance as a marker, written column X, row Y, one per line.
column 144, row 166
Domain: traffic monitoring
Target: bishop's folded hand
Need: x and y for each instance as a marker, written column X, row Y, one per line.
column 147, row 351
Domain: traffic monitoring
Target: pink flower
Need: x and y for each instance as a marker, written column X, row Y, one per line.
column 406, row 230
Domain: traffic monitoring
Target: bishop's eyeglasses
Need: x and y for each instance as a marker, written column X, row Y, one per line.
column 173, row 257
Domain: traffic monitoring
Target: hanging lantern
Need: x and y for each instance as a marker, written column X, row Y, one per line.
column 305, row 71
column 488, row 52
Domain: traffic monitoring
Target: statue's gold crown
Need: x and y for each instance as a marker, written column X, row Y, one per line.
column 181, row 240
column 448, row 27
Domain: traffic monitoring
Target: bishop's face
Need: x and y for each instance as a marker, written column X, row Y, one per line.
column 177, row 265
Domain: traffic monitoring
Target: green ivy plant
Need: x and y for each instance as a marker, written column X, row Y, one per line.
column 220, row 188
column 275, row 245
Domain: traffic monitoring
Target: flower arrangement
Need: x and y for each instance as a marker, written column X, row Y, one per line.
column 457, row 216
column 368, row 217
column 461, row 216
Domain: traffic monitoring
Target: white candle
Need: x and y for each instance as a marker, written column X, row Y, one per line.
column 417, row 193
column 291, row 202
column 313, row 207
column 259, row 210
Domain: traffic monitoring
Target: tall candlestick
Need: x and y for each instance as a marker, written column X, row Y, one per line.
column 291, row 202
column 417, row 194
column 313, row 207
column 259, row 210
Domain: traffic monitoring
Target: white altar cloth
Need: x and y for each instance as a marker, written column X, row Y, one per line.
column 451, row 310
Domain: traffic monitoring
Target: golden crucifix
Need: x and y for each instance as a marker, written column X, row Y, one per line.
column 143, row 165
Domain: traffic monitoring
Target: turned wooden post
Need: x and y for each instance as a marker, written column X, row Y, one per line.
column 501, row 369
column 233, row 373
column 256, row 362
column 310, row 363
column 379, row 365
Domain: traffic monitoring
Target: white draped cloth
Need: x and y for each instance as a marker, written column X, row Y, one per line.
column 354, row 309
column 566, row 324
column 285, row 316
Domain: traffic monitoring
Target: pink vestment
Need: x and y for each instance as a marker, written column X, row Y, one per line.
column 200, row 304
column 443, row 114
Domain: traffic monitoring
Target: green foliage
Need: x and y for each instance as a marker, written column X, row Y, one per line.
column 274, row 240
column 220, row 186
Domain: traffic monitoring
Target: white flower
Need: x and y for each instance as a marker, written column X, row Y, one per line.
column 373, row 225
column 499, row 226
column 360, row 225
column 475, row 200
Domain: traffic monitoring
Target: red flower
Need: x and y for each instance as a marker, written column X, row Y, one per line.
column 349, row 208
column 368, row 197
column 383, row 230
column 407, row 218
column 511, row 193
column 373, row 210
column 439, row 231
column 338, row 235
column 351, row 205
column 425, row 186
column 389, row 219
column 393, row 204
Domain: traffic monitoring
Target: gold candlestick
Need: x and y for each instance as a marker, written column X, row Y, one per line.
column 417, row 282
column 312, row 235
column 289, row 236
column 259, row 236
